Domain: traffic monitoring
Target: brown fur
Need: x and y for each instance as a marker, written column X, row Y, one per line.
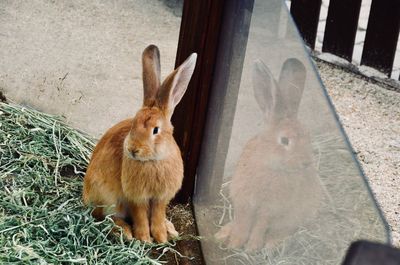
column 133, row 172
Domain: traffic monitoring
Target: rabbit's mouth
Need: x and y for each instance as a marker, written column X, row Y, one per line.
column 141, row 159
column 290, row 166
column 140, row 155
column 136, row 154
column 130, row 155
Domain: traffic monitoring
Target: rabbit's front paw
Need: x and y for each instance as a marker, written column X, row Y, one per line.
column 237, row 240
column 142, row 234
column 159, row 232
column 255, row 243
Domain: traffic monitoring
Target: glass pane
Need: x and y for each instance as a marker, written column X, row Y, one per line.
column 277, row 181
column 82, row 59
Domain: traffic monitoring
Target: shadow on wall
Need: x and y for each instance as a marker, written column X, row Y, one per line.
column 176, row 6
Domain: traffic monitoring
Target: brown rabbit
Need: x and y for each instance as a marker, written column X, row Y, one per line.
column 136, row 167
column 275, row 187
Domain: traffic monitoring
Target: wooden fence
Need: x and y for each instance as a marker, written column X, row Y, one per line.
column 341, row 27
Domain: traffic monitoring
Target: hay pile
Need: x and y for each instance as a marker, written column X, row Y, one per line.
column 42, row 218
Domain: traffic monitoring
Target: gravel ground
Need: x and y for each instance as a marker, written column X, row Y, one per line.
column 370, row 115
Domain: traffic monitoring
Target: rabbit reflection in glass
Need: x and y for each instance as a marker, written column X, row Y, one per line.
column 275, row 188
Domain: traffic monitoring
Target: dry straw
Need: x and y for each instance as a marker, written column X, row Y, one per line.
column 42, row 219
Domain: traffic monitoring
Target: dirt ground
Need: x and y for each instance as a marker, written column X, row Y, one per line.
column 370, row 115
column 189, row 247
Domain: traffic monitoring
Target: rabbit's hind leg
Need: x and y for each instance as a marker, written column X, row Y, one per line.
column 126, row 228
column 118, row 216
column 99, row 213
column 119, row 219
column 172, row 233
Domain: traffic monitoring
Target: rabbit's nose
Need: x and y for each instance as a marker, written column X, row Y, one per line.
column 284, row 140
column 134, row 152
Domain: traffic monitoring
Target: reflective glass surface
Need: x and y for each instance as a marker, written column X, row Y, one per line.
column 277, row 181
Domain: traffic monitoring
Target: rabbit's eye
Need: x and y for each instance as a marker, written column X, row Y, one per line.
column 155, row 130
column 284, row 140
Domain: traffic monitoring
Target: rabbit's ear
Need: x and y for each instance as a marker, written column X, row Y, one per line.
column 265, row 88
column 291, row 83
column 174, row 86
column 151, row 74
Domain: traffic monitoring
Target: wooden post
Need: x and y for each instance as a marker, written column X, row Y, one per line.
column 341, row 27
column 200, row 30
column 306, row 16
column 228, row 72
column 382, row 35
column 217, row 31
